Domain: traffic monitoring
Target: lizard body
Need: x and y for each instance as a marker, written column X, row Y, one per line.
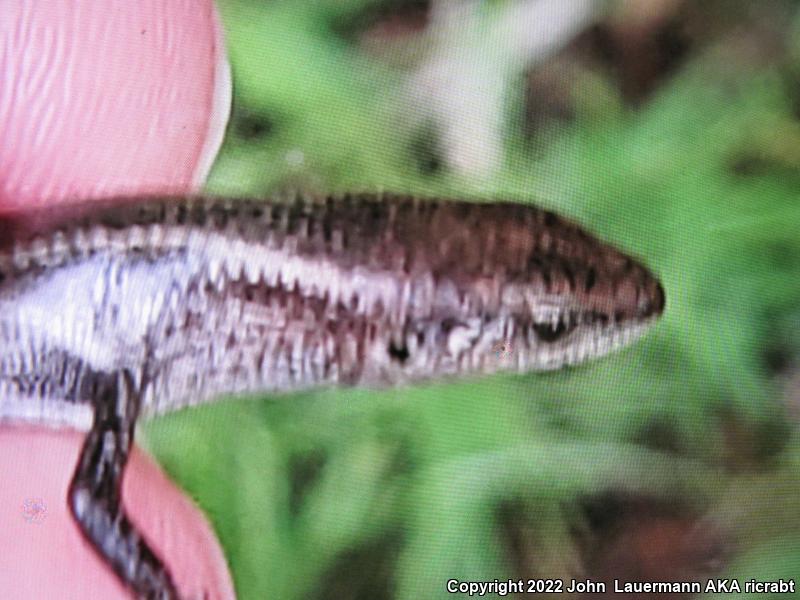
column 134, row 307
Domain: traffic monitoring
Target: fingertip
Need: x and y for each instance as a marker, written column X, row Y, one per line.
column 109, row 101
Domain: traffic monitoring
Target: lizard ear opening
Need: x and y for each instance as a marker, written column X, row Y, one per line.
column 398, row 353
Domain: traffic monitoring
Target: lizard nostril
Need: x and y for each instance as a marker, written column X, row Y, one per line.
column 591, row 279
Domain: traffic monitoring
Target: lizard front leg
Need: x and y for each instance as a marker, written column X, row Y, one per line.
column 95, row 491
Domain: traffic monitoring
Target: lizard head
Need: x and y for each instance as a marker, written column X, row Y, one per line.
column 506, row 287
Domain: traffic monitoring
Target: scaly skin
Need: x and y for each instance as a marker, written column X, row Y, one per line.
column 141, row 306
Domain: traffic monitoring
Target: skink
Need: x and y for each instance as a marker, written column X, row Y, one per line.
column 128, row 308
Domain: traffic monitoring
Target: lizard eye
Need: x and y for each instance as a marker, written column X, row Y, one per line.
column 550, row 332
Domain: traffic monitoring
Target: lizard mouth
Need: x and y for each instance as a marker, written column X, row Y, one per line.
column 573, row 337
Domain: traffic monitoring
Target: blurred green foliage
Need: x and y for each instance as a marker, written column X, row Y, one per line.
column 359, row 494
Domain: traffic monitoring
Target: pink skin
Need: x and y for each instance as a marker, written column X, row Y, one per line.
column 102, row 98
column 42, row 553
column 108, row 98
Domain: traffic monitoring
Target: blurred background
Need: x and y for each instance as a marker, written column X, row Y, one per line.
column 669, row 127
